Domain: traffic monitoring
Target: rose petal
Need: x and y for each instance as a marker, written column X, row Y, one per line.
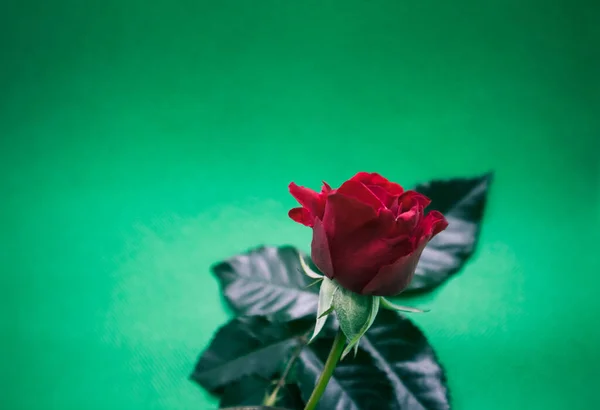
column 325, row 189
column 384, row 196
column 434, row 223
column 344, row 214
column 320, row 249
column 309, row 199
column 410, row 199
column 395, row 277
column 407, row 221
column 377, row 180
column 394, row 207
column 359, row 191
column 357, row 255
column 302, row 215
column 387, row 221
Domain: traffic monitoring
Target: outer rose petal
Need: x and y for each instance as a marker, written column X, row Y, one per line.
column 384, row 196
column 325, row 189
column 344, row 214
column 359, row 191
column 410, row 199
column 320, row 250
column 356, row 256
column 302, row 215
column 407, row 221
column 434, row 223
column 309, row 199
column 375, row 179
column 394, row 278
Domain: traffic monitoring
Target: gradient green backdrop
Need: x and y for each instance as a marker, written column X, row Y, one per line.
column 141, row 141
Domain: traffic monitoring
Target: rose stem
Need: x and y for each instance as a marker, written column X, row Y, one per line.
column 271, row 400
column 334, row 355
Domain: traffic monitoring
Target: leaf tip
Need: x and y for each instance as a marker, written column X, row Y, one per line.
column 488, row 177
column 347, row 350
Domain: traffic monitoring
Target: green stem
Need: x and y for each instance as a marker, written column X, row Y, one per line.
column 334, row 356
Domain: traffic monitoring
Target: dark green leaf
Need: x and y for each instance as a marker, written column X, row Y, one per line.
column 395, row 369
column 462, row 201
column 401, row 350
column 251, row 390
column 268, row 281
column 248, row 346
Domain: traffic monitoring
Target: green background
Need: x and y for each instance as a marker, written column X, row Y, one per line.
column 142, row 141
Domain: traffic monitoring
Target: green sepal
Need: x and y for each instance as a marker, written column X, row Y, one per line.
column 355, row 314
column 325, row 307
column 313, row 283
column 392, row 306
column 307, row 270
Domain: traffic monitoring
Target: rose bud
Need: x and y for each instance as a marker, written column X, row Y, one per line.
column 368, row 234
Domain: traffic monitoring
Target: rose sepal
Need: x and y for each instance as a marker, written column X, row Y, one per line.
column 386, row 304
column 325, row 305
column 355, row 313
column 308, row 271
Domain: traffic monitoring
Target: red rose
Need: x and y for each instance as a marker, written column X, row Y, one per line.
column 369, row 233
